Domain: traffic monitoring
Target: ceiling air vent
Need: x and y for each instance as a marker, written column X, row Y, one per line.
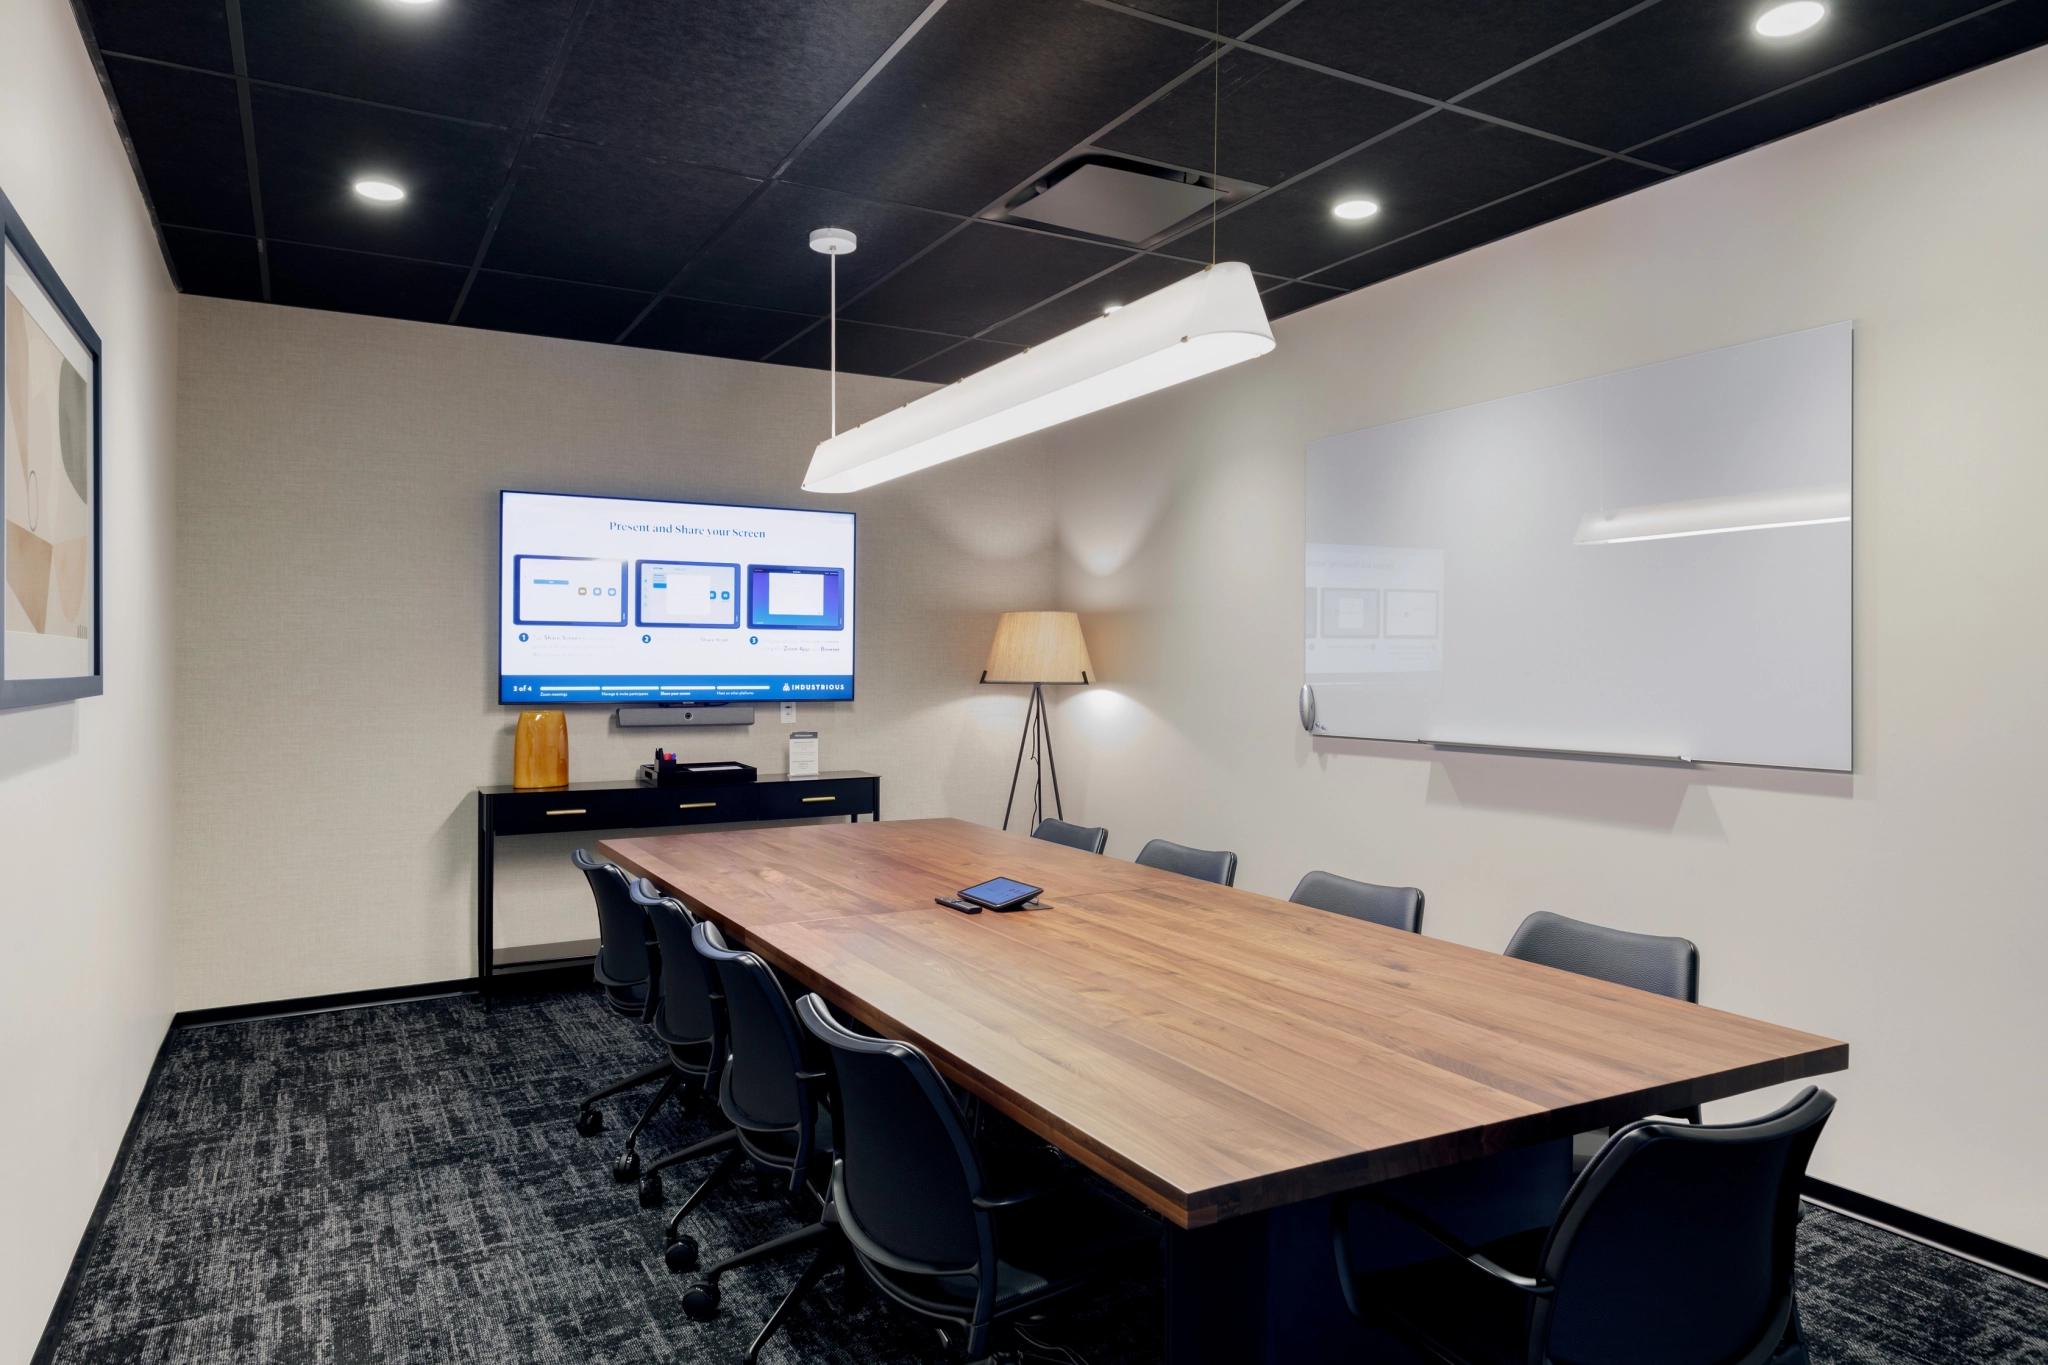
column 1116, row 199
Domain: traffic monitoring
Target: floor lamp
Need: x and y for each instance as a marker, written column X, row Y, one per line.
column 1041, row 648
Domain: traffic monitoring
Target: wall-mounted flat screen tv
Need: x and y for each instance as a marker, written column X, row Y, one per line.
column 609, row 600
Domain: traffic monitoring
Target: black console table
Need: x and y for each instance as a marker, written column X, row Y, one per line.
column 629, row 805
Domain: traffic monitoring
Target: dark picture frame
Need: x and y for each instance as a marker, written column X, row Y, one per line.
column 33, row 566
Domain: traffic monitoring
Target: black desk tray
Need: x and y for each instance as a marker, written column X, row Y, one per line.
column 666, row 774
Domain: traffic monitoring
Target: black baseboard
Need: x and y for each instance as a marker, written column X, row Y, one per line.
column 67, row 1294
column 523, row 979
column 1947, row 1235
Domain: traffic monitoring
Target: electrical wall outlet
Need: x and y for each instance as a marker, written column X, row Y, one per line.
column 789, row 713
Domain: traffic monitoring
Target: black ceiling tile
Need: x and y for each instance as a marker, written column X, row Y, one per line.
column 189, row 32
column 959, row 362
column 355, row 282
column 1442, row 166
column 988, row 94
column 1935, row 57
column 1268, row 121
column 187, row 129
column 610, row 216
column 732, row 83
column 766, row 258
column 476, row 59
column 1685, row 59
column 981, row 276
column 220, row 265
column 1597, row 183
column 1142, row 275
column 1238, row 15
column 864, row 348
column 1292, row 298
column 549, row 308
column 310, row 152
column 1440, row 49
column 723, row 329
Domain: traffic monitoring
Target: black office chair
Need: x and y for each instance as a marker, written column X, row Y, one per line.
column 1198, row 863
column 1648, row 962
column 1675, row 1245
column 915, row 1203
column 1397, row 907
column 687, row 1009
column 1087, row 838
column 625, row 971
column 772, row 1090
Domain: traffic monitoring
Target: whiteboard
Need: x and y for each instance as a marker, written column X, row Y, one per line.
column 1654, row 563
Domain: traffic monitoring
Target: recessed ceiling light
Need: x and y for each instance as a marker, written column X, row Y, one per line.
column 415, row 2
column 1114, row 307
column 1352, row 210
column 382, row 191
column 1782, row 21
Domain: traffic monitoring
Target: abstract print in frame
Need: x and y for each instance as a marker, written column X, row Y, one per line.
column 50, row 493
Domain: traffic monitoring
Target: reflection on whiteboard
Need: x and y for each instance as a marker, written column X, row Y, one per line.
column 1653, row 562
column 1378, row 612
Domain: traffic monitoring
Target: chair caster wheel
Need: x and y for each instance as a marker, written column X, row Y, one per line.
column 627, row 1167
column 590, row 1123
column 700, row 1301
column 651, row 1194
column 681, row 1256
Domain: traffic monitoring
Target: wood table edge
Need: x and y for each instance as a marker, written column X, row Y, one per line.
column 1220, row 1202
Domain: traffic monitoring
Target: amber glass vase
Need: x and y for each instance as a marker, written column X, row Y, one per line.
column 540, row 755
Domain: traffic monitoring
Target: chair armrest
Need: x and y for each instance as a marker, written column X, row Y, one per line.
column 1029, row 1192
column 1340, row 1220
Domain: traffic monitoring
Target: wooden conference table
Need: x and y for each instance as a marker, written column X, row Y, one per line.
column 1228, row 1059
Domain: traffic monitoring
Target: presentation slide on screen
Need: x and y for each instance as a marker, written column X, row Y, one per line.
column 620, row 599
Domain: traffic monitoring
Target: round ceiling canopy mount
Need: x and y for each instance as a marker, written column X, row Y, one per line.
column 834, row 241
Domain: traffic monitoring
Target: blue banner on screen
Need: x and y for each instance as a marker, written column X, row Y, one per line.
column 600, row 687
column 607, row 600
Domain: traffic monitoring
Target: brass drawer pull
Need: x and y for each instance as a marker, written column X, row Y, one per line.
column 809, row 799
column 697, row 805
column 578, row 811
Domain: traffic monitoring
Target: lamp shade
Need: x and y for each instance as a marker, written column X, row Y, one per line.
column 1038, row 647
column 1206, row 322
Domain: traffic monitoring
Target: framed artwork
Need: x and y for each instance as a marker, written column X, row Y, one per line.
column 50, row 492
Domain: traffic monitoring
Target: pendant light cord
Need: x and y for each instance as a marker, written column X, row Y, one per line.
column 1215, row 131
column 834, row 329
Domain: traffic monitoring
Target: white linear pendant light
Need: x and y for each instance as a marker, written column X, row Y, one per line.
column 1205, row 323
column 1716, row 516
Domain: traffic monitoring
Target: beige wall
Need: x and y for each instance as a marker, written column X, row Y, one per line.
column 1901, row 909
column 85, row 787
column 337, row 597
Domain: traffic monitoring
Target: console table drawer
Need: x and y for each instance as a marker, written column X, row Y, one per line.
column 699, row 805
column 800, row 797
column 538, row 812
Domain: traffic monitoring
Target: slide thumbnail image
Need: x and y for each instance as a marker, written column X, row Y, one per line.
column 681, row 593
column 788, row 597
column 558, row 590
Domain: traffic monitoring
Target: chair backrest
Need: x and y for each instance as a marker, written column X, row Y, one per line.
column 1397, row 907
column 1087, row 838
column 1199, row 863
column 1675, row 1244
column 907, row 1173
column 621, row 926
column 1663, row 966
column 685, row 987
column 768, row 1084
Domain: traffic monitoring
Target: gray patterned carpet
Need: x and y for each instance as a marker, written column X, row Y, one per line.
column 402, row 1183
